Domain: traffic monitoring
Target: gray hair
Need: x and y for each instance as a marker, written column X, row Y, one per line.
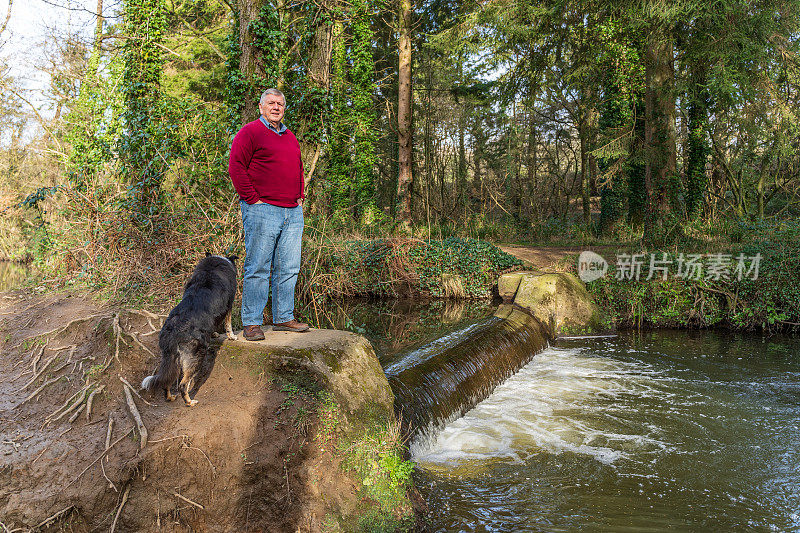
column 271, row 91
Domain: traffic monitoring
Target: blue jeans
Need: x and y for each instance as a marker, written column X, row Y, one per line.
column 272, row 239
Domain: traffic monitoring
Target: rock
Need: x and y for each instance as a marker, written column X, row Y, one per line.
column 560, row 301
column 343, row 363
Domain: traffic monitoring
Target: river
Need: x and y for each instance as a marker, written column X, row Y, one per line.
column 658, row 431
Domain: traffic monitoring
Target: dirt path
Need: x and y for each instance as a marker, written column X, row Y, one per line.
column 558, row 258
column 238, row 461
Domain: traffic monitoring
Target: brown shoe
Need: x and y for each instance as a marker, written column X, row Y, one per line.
column 253, row 333
column 292, row 325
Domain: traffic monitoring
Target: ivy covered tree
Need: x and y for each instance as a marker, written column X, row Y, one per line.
column 142, row 166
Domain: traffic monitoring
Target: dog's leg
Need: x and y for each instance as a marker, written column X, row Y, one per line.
column 168, row 394
column 229, row 327
column 187, row 381
column 185, row 387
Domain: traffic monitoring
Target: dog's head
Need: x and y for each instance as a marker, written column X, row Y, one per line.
column 231, row 258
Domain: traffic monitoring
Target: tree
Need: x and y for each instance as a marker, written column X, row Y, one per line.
column 405, row 179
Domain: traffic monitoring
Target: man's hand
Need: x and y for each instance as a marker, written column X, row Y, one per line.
column 300, row 201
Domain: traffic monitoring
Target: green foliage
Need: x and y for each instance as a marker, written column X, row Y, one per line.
column 771, row 302
column 363, row 113
column 197, row 36
column 393, row 267
column 477, row 263
column 93, row 125
column 375, row 459
column 142, row 165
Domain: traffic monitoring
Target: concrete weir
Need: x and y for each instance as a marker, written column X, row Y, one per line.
column 444, row 379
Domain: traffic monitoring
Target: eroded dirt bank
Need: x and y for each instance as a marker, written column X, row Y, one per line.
column 258, row 453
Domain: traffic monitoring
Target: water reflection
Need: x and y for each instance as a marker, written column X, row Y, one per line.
column 12, row 275
column 396, row 326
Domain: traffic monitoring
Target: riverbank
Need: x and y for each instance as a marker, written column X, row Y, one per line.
column 746, row 286
column 276, row 443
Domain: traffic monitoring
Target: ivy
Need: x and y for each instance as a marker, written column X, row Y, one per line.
column 143, row 165
column 364, row 135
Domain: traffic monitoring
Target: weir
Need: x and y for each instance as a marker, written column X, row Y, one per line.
column 444, row 379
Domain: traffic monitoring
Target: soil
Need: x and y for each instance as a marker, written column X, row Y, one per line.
column 246, row 458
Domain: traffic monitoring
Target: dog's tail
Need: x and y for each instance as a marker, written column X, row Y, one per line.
column 168, row 372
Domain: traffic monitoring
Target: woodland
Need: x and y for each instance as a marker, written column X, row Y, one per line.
column 553, row 121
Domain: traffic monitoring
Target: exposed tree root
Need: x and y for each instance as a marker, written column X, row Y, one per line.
column 149, row 316
column 75, row 405
column 45, row 366
column 119, row 509
column 47, row 521
column 138, row 342
column 108, row 448
column 35, row 393
column 133, row 390
column 77, row 413
column 90, row 400
column 187, row 500
column 63, row 406
column 136, row 417
column 38, row 356
column 60, row 329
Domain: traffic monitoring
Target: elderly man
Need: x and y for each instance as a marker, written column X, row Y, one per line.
column 267, row 172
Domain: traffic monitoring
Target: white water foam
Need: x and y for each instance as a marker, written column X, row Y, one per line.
column 564, row 400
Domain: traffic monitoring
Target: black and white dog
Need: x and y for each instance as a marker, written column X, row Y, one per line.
column 184, row 340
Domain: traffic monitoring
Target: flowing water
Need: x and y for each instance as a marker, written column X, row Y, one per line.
column 662, row 431
column 666, row 431
column 443, row 379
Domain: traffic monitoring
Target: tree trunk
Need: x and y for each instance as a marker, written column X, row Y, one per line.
column 405, row 178
column 249, row 64
column 659, row 128
column 319, row 79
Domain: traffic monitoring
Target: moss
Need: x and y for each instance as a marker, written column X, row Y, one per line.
column 332, row 360
column 371, row 449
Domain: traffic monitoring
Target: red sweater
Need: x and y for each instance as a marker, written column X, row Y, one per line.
column 266, row 166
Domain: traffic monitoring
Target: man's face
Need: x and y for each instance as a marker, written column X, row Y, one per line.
column 273, row 108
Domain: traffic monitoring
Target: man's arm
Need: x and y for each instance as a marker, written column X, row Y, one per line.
column 241, row 154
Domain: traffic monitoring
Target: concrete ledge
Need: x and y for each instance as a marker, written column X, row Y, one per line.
column 344, row 363
column 560, row 301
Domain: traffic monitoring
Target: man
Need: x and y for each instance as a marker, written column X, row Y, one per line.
column 267, row 172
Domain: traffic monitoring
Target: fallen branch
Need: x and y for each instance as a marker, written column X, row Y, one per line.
column 136, row 417
column 119, row 509
column 187, row 500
